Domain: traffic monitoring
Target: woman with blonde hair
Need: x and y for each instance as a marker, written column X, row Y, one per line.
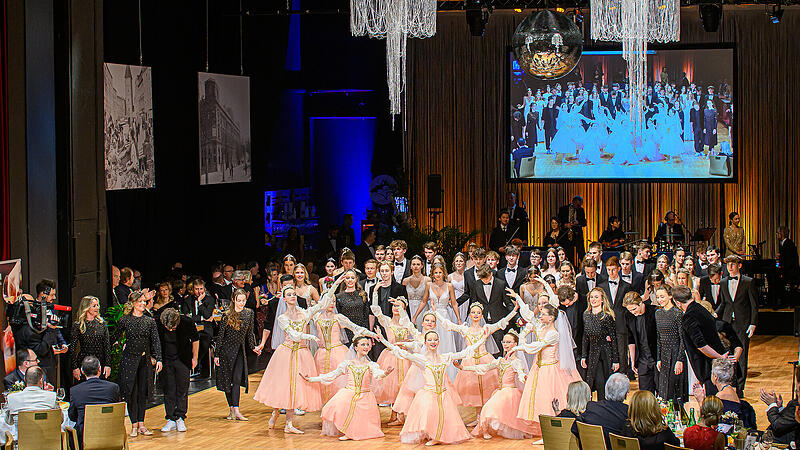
column 90, row 337
column 646, row 422
column 164, row 299
column 303, row 287
column 599, row 355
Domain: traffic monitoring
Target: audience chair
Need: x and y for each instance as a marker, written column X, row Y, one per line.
column 103, row 427
column 526, row 167
column 592, row 437
column 557, row 433
column 623, row 443
column 674, row 447
column 40, row 430
column 9, row 441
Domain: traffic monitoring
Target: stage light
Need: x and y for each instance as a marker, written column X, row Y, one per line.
column 777, row 14
column 477, row 16
column 710, row 16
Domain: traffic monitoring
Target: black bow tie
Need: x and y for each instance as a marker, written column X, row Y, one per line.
column 487, row 284
column 612, row 282
column 590, row 279
column 734, row 278
column 398, row 263
column 511, row 270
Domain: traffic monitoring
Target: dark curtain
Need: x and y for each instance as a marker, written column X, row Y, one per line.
column 456, row 101
column 5, row 237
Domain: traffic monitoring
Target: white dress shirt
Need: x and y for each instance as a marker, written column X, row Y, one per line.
column 628, row 278
column 511, row 275
column 613, row 286
column 591, row 283
column 639, row 265
column 733, row 285
column 400, row 270
column 715, row 293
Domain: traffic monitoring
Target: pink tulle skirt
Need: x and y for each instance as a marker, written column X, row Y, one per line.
column 433, row 417
column 355, row 416
column 499, row 416
column 327, row 361
column 405, row 395
column 390, row 386
column 474, row 389
column 541, row 387
column 282, row 387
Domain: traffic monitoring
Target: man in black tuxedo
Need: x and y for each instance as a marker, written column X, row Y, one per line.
column 709, row 287
column 643, row 343
column 201, row 308
column 616, row 289
column 329, row 246
column 573, row 217
column 700, row 337
column 490, row 291
column 589, row 279
column 478, row 257
column 429, row 253
column 371, row 274
column 512, row 273
column 628, row 275
column 93, row 391
column 740, row 309
column 570, row 304
column 402, row 266
column 365, row 250
column 714, row 256
column 782, row 420
column 518, row 216
column 642, row 263
column 671, row 230
column 502, row 233
column 596, row 253
column 787, row 257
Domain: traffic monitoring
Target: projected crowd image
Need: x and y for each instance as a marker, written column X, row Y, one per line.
column 580, row 127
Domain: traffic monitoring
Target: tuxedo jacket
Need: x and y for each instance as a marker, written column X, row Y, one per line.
column 706, row 292
column 384, row 293
column 519, row 219
column 637, row 281
column 469, row 280
column 648, row 267
column 497, row 305
column 582, row 286
column 201, row 313
column 363, row 253
column 698, row 330
column 406, row 270
column 518, row 280
column 580, row 217
column 788, row 259
column 603, row 271
column 616, row 302
column 650, row 328
column 499, row 237
column 741, row 311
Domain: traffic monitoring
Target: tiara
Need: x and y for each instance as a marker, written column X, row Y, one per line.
column 429, row 313
column 514, row 332
column 478, row 304
column 401, row 299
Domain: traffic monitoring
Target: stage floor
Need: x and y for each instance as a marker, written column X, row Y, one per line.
column 208, row 428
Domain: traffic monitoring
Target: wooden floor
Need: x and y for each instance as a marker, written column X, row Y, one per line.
column 208, row 428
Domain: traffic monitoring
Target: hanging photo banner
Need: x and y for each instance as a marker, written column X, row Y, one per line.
column 224, row 118
column 128, row 127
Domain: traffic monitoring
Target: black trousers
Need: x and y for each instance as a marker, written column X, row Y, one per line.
column 622, row 350
column 175, row 385
column 742, row 374
column 647, row 376
column 548, row 137
column 137, row 401
column 202, row 355
column 236, row 379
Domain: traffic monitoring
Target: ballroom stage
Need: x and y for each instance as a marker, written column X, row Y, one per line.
column 208, row 428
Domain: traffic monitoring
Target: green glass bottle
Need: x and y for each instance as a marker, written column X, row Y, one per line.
column 692, row 420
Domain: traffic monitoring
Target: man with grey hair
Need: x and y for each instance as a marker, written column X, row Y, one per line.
column 610, row 413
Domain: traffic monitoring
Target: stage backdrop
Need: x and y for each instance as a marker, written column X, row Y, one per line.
column 455, row 127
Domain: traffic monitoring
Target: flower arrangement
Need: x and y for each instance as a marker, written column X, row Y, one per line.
column 16, row 387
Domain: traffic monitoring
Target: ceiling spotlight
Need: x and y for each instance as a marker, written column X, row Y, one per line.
column 710, row 16
column 777, row 14
column 477, row 16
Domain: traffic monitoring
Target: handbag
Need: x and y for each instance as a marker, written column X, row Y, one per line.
column 720, row 165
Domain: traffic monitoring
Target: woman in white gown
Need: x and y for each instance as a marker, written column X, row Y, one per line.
column 456, row 278
column 441, row 293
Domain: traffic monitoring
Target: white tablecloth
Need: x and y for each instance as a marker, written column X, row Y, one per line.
column 4, row 426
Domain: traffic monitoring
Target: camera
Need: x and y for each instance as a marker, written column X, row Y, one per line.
column 39, row 314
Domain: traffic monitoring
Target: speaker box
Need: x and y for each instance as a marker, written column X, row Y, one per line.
column 434, row 191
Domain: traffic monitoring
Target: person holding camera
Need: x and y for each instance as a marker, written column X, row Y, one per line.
column 37, row 330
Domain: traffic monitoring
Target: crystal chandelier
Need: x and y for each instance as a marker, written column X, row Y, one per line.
column 394, row 20
column 634, row 23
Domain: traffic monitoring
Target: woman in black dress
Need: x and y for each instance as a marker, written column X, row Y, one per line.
column 90, row 337
column 135, row 369
column 165, row 299
column 599, row 351
column 555, row 236
column 671, row 357
column 352, row 302
column 235, row 331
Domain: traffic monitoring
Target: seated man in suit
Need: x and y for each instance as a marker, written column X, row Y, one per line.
column 671, row 230
column 33, row 398
column 522, row 151
column 782, row 420
column 25, row 359
column 611, row 413
column 93, row 391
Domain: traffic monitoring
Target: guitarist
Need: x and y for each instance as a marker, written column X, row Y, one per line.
column 613, row 237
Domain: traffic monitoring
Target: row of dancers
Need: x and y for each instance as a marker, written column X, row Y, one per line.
column 411, row 372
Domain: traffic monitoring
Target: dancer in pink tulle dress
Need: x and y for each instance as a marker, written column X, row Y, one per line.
column 281, row 386
column 398, row 329
column 330, row 330
column 475, row 388
column 433, row 417
column 499, row 414
column 352, row 413
column 547, row 379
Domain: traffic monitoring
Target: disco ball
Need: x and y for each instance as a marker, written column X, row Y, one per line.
column 547, row 44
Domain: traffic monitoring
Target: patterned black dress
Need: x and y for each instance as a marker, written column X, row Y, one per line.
column 94, row 341
column 670, row 351
column 229, row 345
column 353, row 306
column 598, row 351
column 141, row 341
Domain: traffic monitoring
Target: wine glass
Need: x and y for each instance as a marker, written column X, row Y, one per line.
column 60, row 394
